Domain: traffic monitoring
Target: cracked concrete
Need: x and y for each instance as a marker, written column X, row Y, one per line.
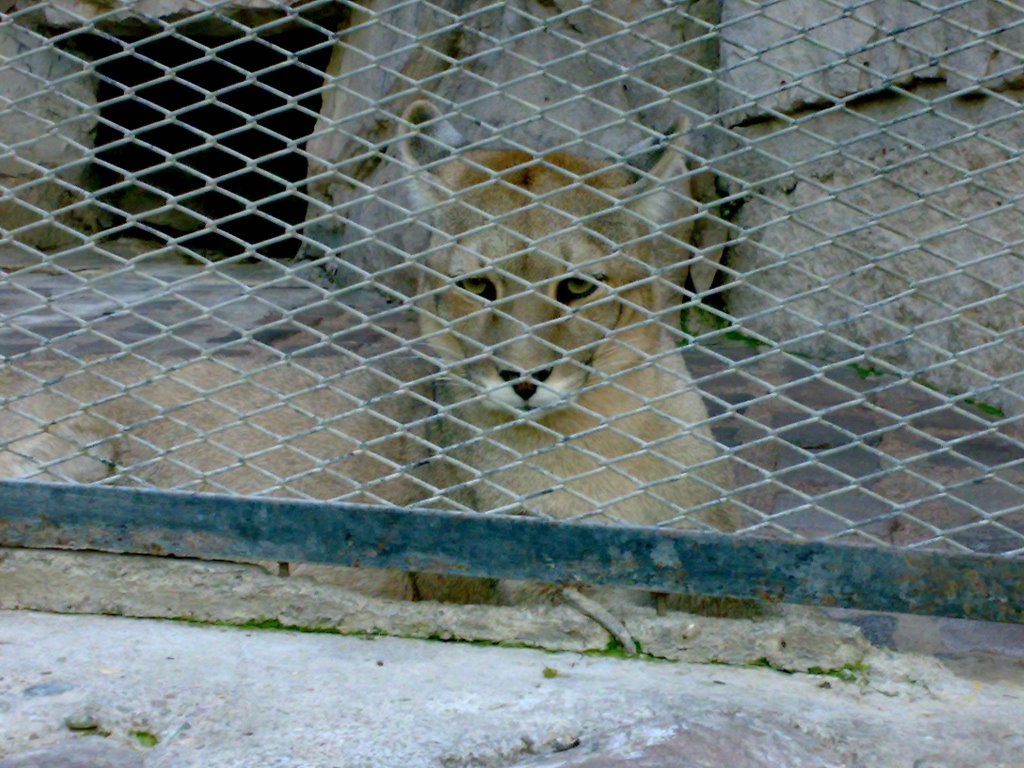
column 793, row 638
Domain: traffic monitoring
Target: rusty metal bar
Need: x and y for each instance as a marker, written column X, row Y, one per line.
column 137, row 521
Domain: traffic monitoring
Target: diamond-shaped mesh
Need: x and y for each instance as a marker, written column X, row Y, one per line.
column 750, row 267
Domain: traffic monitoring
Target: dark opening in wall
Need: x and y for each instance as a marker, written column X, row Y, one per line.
column 202, row 139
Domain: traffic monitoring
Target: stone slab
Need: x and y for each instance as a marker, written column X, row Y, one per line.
column 316, row 598
column 77, row 753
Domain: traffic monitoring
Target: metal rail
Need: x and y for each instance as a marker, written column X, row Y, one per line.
column 209, row 526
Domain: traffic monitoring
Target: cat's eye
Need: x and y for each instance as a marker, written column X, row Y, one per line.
column 574, row 288
column 479, row 286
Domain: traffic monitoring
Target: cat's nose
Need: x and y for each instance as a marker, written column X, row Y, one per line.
column 525, row 383
column 525, row 389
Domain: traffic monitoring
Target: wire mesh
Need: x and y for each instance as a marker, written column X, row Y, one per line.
column 747, row 267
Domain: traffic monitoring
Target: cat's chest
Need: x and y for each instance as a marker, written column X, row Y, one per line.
column 557, row 478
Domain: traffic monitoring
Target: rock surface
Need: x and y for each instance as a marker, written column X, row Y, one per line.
column 169, row 694
column 875, row 156
column 894, row 248
column 77, row 753
column 47, row 122
column 710, row 741
column 795, row 54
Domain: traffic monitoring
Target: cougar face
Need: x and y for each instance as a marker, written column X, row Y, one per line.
column 535, row 286
column 527, row 321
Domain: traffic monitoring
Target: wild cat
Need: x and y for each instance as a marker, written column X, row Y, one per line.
column 541, row 293
column 562, row 394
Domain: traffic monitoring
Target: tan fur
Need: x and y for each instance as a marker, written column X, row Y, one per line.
column 208, row 426
column 631, row 442
column 625, row 448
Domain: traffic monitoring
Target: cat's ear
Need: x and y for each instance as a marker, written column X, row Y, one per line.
column 664, row 182
column 431, row 140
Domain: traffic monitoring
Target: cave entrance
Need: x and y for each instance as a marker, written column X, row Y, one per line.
column 201, row 141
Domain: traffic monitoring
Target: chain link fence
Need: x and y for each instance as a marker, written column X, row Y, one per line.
column 730, row 266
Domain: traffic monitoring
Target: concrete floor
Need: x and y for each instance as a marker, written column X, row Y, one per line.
column 100, row 692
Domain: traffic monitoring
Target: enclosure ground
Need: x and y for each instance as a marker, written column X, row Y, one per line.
column 130, row 692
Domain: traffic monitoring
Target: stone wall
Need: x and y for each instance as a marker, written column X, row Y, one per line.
column 67, row 66
column 881, row 184
column 868, row 155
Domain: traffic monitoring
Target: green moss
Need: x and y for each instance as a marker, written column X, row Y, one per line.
column 766, row 663
column 857, row 672
column 447, row 638
column 865, row 371
column 145, row 739
column 696, row 320
column 550, row 672
column 614, row 648
column 743, row 338
column 985, row 408
column 263, row 625
column 274, row 625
